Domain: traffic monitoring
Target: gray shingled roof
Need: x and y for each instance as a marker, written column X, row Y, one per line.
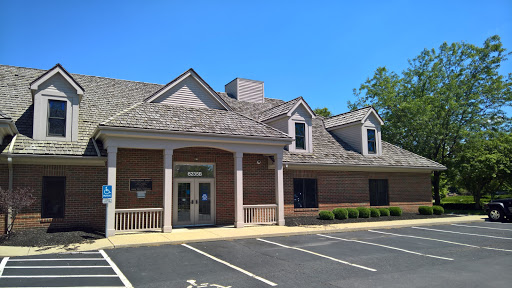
column 250, row 109
column 279, row 110
column 329, row 149
column 191, row 119
column 346, row 118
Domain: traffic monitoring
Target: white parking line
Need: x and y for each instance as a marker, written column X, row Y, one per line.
column 462, row 233
column 2, row 265
column 116, row 270
column 52, row 267
column 60, row 276
column 385, row 246
column 57, row 259
column 231, row 266
column 439, row 240
column 318, row 254
column 470, row 226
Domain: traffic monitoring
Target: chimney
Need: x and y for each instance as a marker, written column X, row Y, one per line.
column 246, row 90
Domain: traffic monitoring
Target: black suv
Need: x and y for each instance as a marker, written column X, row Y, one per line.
column 499, row 209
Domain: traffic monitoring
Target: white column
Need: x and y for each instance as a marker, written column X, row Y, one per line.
column 239, row 190
column 167, row 221
column 279, row 189
column 110, row 229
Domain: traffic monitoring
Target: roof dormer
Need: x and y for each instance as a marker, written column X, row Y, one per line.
column 56, row 97
column 189, row 89
column 295, row 118
column 361, row 129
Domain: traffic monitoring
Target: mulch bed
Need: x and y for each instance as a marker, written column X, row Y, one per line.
column 43, row 237
column 313, row 220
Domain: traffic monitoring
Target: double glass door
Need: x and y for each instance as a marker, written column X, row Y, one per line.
column 194, row 202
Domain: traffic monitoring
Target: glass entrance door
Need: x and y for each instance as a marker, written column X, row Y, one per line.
column 194, row 202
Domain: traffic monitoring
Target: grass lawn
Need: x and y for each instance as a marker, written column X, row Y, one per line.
column 469, row 199
column 464, row 212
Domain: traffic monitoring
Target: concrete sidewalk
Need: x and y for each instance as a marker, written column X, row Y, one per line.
column 188, row 235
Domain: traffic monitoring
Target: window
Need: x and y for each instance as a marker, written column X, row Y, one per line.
column 379, row 192
column 53, row 198
column 305, row 193
column 300, row 136
column 372, row 146
column 56, row 118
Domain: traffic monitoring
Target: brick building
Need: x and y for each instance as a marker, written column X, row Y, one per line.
column 183, row 154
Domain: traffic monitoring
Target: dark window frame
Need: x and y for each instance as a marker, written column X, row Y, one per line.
column 372, row 142
column 300, row 136
column 48, row 131
column 305, row 200
column 44, row 194
column 379, row 192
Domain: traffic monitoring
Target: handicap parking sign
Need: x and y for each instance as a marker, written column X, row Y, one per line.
column 106, row 192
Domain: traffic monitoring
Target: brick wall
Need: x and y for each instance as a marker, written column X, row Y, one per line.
column 351, row 189
column 83, row 207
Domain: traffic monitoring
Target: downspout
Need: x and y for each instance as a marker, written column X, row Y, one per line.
column 11, row 175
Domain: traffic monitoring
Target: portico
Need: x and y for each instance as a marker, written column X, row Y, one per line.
column 271, row 150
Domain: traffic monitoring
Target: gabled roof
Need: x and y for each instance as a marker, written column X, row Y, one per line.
column 285, row 108
column 176, row 118
column 359, row 115
column 192, row 73
column 52, row 71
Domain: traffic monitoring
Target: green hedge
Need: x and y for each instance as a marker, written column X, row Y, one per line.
column 438, row 210
column 384, row 211
column 374, row 212
column 352, row 212
column 363, row 212
column 395, row 211
column 425, row 210
column 326, row 215
column 340, row 213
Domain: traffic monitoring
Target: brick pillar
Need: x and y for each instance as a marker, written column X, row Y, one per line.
column 239, row 190
column 279, row 189
column 167, row 215
column 110, row 229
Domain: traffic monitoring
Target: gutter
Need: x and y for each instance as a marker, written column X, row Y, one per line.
column 55, row 159
column 323, row 166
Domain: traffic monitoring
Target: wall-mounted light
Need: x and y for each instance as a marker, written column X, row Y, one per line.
column 196, row 159
column 258, row 162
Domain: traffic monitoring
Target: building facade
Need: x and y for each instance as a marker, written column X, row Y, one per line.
column 182, row 154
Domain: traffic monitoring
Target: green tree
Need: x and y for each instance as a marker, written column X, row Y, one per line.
column 323, row 112
column 441, row 99
column 485, row 164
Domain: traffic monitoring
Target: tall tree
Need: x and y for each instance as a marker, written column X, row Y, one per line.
column 323, row 112
column 442, row 98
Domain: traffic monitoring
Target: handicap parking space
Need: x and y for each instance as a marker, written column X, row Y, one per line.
column 90, row 269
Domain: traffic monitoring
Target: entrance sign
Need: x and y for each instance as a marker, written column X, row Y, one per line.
column 195, row 174
column 194, row 170
column 106, row 192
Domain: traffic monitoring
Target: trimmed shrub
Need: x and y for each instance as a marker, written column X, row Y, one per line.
column 340, row 213
column 363, row 212
column 352, row 212
column 384, row 211
column 395, row 211
column 326, row 215
column 438, row 210
column 425, row 210
column 374, row 212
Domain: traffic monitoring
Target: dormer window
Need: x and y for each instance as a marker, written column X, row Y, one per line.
column 300, row 136
column 56, row 118
column 372, row 143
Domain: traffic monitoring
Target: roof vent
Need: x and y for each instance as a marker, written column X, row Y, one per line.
column 246, row 90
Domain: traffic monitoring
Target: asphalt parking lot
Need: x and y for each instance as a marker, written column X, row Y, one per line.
column 457, row 255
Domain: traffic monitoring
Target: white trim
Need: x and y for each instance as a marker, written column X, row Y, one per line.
column 231, row 265
column 376, row 116
column 56, row 69
column 289, row 113
column 55, row 159
column 353, row 167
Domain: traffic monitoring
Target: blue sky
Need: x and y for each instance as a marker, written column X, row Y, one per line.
column 320, row 50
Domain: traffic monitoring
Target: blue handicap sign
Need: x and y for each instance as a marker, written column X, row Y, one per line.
column 106, row 192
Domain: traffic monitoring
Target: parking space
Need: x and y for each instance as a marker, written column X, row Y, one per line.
column 90, row 269
column 461, row 255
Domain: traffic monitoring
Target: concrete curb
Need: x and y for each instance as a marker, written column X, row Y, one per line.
column 246, row 233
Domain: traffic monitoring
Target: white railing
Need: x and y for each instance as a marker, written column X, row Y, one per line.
column 140, row 219
column 260, row 214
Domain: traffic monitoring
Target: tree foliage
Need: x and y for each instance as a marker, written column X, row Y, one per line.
column 323, row 112
column 12, row 201
column 485, row 163
column 441, row 99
